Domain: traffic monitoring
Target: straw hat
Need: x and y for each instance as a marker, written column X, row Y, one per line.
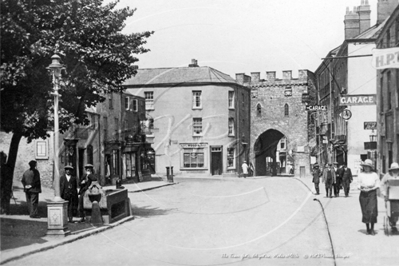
column 394, row 166
column 68, row 167
column 315, row 165
column 89, row 166
column 368, row 162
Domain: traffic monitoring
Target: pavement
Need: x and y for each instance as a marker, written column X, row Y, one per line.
column 343, row 227
column 22, row 235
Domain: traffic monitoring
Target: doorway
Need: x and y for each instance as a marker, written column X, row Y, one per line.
column 81, row 155
column 216, row 160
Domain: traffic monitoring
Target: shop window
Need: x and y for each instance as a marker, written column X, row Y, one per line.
column 193, row 159
column 231, row 157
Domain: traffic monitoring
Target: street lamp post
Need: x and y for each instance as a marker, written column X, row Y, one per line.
column 57, row 208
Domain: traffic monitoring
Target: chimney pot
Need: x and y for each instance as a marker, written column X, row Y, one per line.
column 194, row 63
column 240, row 77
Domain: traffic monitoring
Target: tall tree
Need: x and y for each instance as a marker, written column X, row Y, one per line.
column 98, row 58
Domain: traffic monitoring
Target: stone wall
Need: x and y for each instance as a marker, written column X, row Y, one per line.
column 268, row 101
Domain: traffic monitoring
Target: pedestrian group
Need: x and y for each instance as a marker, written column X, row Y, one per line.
column 69, row 186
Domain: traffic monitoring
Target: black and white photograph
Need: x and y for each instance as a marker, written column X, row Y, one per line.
column 199, row 132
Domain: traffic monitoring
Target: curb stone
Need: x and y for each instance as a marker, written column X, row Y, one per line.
column 64, row 240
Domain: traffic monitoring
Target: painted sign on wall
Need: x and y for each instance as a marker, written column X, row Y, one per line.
column 386, row 58
column 370, row 125
column 364, row 99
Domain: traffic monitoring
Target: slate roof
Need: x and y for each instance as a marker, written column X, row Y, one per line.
column 372, row 32
column 178, row 75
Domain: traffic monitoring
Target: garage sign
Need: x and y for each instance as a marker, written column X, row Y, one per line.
column 365, row 99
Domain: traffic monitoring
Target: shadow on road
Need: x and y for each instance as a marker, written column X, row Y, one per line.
column 147, row 211
column 18, row 233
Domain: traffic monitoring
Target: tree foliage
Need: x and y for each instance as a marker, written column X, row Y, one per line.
column 98, row 58
column 86, row 34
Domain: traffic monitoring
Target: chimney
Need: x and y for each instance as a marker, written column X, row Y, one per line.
column 194, row 63
column 385, row 9
column 255, row 77
column 240, row 78
column 364, row 15
column 287, row 74
column 352, row 23
column 271, row 75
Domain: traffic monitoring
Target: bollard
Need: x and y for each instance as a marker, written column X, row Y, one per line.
column 169, row 174
column 96, row 219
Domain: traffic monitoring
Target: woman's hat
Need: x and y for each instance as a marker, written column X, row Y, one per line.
column 68, row 167
column 394, row 166
column 89, row 166
column 368, row 162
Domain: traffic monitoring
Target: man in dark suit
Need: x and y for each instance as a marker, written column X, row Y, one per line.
column 69, row 191
column 347, row 179
column 329, row 179
column 84, row 184
column 316, row 174
column 32, row 188
column 338, row 179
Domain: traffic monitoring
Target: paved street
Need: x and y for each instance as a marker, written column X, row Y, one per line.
column 255, row 221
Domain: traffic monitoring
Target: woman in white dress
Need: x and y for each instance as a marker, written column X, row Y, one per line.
column 368, row 183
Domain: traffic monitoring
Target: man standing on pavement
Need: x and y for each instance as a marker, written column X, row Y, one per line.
column 347, row 178
column 393, row 174
column 69, row 191
column 245, row 169
column 329, row 179
column 316, row 173
column 84, row 183
column 338, row 179
column 32, row 188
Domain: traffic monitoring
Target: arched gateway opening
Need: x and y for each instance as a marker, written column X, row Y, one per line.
column 270, row 151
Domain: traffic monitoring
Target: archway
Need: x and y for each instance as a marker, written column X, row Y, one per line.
column 270, row 157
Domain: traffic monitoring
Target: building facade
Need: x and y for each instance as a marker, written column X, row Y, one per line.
column 104, row 142
column 198, row 118
column 282, row 129
column 388, row 98
column 346, row 86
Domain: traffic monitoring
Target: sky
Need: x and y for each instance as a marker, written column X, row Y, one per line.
column 240, row 36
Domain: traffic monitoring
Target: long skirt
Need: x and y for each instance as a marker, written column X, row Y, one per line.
column 368, row 204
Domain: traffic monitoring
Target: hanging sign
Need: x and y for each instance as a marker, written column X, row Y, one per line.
column 364, row 99
column 346, row 114
column 386, row 58
column 316, row 107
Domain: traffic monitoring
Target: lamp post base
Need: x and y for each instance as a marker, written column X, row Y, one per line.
column 57, row 218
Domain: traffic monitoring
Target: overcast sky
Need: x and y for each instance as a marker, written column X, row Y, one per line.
column 241, row 36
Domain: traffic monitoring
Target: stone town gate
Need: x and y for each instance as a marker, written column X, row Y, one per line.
column 281, row 128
